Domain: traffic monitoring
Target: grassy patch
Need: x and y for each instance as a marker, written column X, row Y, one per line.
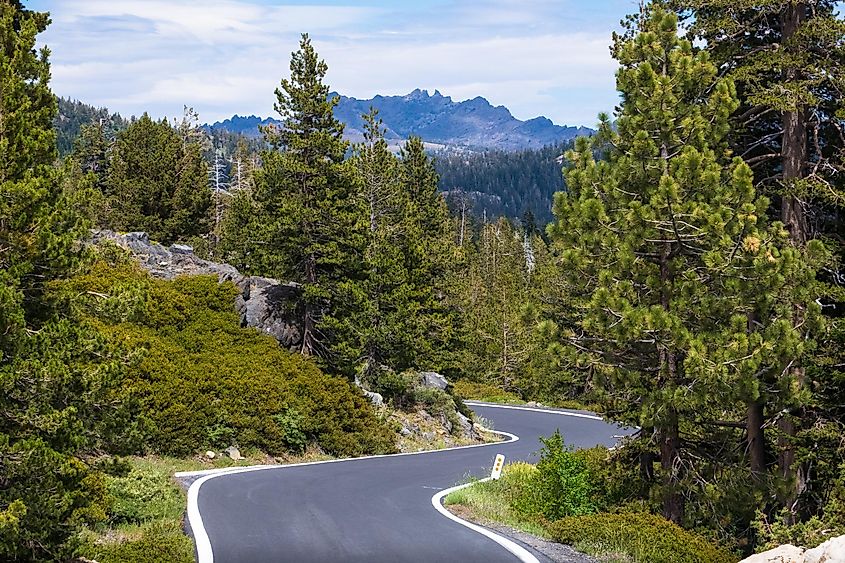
column 484, row 392
column 499, row 501
column 144, row 517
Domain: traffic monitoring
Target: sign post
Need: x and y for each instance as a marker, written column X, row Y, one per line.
column 497, row 467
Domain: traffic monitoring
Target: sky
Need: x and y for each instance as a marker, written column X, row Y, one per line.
column 222, row 57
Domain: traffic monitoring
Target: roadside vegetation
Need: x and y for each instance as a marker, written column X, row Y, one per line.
column 573, row 497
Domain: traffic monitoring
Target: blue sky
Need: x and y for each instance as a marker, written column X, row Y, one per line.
column 537, row 57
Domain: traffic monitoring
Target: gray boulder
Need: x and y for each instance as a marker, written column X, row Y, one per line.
column 269, row 305
column 273, row 307
column 782, row 554
column 433, row 379
column 233, row 453
column 831, row 551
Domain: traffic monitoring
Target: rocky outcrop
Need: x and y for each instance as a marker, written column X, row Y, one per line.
column 272, row 306
column 264, row 303
column 831, row 551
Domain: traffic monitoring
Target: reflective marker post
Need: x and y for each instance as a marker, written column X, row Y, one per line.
column 497, row 467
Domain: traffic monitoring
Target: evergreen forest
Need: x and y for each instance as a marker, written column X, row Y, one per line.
column 680, row 271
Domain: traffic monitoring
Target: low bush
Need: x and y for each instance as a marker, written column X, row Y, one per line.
column 159, row 542
column 773, row 531
column 638, row 537
column 563, row 481
column 202, row 381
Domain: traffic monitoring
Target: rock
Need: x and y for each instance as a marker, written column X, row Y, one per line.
column 446, row 423
column 429, row 436
column 209, row 454
column 375, row 398
column 405, row 431
column 136, row 237
column 273, row 307
column 269, row 305
column 782, row 554
column 233, row 453
column 433, row 379
column 466, row 425
column 831, row 551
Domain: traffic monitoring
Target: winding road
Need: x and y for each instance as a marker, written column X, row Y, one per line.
column 371, row 509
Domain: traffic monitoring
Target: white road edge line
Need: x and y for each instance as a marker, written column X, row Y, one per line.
column 203, row 544
column 517, row 550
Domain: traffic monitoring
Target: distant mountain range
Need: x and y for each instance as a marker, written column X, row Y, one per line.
column 472, row 124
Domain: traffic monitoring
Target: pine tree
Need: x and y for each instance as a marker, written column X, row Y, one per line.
column 492, row 294
column 306, row 190
column 158, row 182
column 661, row 240
column 55, row 373
column 382, row 307
column 430, row 259
column 788, row 61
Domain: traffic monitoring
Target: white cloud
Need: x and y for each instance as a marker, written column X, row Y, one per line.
column 227, row 56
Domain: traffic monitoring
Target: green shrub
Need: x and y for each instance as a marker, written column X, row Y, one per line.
column 203, row 381
column 563, row 481
column 640, row 537
column 159, row 543
column 291, row 424
column 397, row 388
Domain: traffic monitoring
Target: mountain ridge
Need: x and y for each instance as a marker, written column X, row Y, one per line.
column 473, row 124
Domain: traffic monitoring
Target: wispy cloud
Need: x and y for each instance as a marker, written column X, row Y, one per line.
column 225, row 56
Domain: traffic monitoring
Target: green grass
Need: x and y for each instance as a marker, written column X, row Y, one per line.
column 497, row 501
column 485, row 393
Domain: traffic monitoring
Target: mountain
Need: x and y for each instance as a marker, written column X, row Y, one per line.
column 472, row 124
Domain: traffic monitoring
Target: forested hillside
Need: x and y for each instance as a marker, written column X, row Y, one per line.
column 499, row 183
column 689, row 284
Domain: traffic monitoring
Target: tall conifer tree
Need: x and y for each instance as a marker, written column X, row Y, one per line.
column 307, row 192
column 54, row 373
column 788, row 61
column 659, row 240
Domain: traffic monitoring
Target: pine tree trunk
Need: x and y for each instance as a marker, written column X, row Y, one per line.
column 670, row 446
column 756, row 439
column 309, row 325
column 670, row 443
column 794, row 153
column 794, row 157
column 647, row 459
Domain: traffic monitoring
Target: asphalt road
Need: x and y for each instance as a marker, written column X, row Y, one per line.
column 369, row 509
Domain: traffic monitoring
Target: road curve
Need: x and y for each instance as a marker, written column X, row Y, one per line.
column 369, row 509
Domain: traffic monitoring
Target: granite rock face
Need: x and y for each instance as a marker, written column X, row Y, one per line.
column 831, row 551
column 269, row 305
